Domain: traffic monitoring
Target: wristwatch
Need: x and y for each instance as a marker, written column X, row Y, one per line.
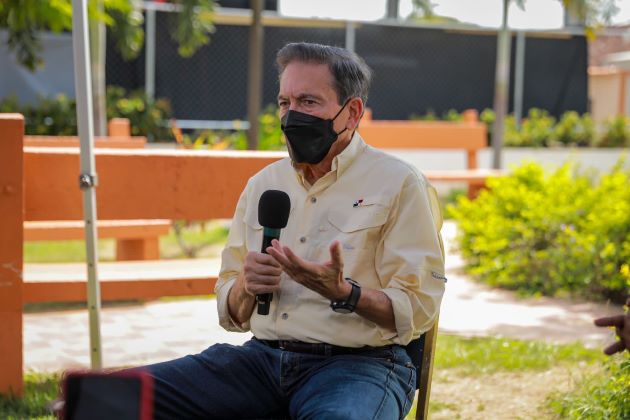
column 349, row 305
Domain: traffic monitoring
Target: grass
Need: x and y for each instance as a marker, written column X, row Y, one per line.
column 65, row 251
column 488, row 355
column 202, row 237
column 39, row 390
column 480, row 356
column 605, row 395
column 466, row 356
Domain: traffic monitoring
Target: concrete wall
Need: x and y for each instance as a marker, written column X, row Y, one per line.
column 604, row 91
column 601, row 160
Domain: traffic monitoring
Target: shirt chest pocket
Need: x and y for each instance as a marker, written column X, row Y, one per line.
column 253, row 230
column 359, row 228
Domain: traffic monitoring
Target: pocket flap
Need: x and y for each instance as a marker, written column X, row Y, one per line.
column 372, row 212
column 251, row 218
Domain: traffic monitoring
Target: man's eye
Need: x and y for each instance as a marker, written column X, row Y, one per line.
column 309, row 102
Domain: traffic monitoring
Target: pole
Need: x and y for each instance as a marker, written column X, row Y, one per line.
column 392, row 9
column 254, row 85
column 519, row 77
column 501, row 85
column 149, row 62
column 350, row 36
column 87, row 178
column 97, row 38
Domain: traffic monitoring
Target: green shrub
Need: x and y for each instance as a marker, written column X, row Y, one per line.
column 429, row 116
column 450, row 115
column 56, row 116
column 487, row 117
column 51, row 116
column 573, row 130
column 270, row 135
column 148, row 117
column 604, row 396
column 535, row 130
column 563, row 233
column 616, row 133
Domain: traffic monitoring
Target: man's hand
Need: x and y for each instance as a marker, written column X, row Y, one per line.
column 261, row 274
column 622, row 328
column 325, row 279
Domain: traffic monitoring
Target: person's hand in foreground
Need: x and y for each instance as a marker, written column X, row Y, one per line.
column 622, row 328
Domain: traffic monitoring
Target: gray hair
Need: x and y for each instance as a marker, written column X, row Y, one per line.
column 350, row 73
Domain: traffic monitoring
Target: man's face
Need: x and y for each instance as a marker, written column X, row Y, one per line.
column 308, row 88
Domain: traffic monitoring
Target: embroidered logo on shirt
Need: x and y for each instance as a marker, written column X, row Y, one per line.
column 439, row 276
column 358, row 202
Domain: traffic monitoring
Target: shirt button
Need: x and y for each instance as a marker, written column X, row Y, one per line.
column 303, row 239
column 313, row 200
column 285, row 315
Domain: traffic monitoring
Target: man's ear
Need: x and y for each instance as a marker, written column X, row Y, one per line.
column 355, row 108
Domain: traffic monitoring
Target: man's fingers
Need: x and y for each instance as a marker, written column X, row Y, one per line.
column 298, row 263
column 335, row 255
column 258, row 289
column 614, row 348
column 267, row 280
column 610, row 321
column 266, row 270
column 279, row 256
column 266, row 259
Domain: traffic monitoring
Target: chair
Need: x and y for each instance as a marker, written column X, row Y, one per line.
column 421, row 352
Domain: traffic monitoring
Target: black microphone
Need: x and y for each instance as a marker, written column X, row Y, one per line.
column 273, row 214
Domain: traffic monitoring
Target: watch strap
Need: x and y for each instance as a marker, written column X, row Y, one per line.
column 349, row 305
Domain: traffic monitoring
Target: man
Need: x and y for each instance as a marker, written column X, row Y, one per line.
column 357, row 274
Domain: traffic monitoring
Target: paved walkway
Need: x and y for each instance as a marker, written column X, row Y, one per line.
column 158, row 331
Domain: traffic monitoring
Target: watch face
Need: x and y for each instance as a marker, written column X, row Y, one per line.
column 342, row 310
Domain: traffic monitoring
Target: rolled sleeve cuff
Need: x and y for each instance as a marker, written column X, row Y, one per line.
column 403, row 316
column 225, row 320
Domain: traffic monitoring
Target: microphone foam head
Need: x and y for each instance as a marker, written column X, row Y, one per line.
column 273, row 209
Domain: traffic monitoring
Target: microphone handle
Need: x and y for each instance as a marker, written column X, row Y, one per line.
column 264, row 300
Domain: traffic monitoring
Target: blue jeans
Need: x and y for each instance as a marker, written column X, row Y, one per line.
column 257, row 381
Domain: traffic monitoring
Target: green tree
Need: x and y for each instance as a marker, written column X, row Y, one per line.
column 423, row 11
column 25, row 19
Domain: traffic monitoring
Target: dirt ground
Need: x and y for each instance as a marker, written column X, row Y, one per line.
column 502, row 395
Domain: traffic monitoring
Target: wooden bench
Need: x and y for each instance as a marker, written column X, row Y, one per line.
column 135, row 239
column 129, row 280
column 469, row 136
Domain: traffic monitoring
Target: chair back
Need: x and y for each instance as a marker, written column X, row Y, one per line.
column 421, row 352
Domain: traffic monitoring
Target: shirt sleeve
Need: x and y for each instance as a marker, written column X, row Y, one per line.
column 410, row 260
column 232, row 260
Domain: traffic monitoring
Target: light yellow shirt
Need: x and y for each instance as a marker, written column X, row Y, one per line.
column 387, row 218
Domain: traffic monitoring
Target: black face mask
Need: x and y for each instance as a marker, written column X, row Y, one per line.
column 309, row 137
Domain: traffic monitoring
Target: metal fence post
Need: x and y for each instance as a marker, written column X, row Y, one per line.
column 255, row 69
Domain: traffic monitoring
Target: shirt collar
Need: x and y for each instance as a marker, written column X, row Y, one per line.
column 342, row 161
